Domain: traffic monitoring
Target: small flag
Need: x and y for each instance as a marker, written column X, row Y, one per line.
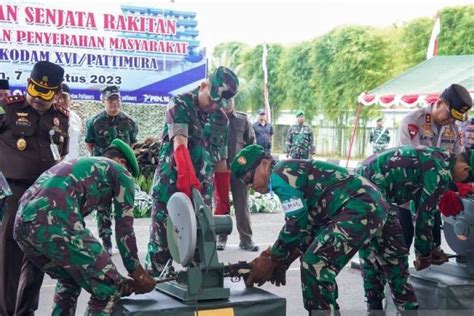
column 265, row 84
column 433, row 45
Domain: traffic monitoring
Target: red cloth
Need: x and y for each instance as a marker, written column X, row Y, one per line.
column 450, row 204
column 221, row 192
column 186, row 175
column 464, row 188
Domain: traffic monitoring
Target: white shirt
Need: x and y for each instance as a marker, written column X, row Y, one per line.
column 75, row 128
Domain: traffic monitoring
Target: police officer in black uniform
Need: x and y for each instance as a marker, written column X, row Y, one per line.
column 33, row 137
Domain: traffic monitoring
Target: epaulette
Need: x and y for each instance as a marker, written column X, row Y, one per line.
column 12, row 99
column 61, row 109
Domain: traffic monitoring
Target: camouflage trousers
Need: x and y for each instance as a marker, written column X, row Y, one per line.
column 385, row 257
column 334, row 244
column 299, row 153
column 71, row 254
column 158, row 252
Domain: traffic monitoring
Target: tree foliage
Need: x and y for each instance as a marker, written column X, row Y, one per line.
column 324, row 76
column 414, row 41
column 457, row 31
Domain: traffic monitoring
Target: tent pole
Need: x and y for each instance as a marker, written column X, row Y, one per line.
column 356, row 125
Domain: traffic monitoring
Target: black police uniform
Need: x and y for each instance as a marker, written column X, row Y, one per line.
column 26, row 141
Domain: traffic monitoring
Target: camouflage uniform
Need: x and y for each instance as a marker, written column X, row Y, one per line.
column 101, row 130
column 207, row 144
column 403, row 174
column 379, row 138
column 4, row 192
column 330, row 214
column 50, row 229
column 299, row 142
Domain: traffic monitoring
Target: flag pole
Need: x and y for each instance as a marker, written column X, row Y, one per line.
column 356, row 125
column 266, row 102
column 433, row 44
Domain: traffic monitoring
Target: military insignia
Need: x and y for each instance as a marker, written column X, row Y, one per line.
column 412, row 130
column 56, row 121
column 44, row 79
column 428, row 118
column 21, row 144
column 61, row 139
column 427, row 130
column 242, row 161
column 21, row 114
column 21, row 121
column 2, row 110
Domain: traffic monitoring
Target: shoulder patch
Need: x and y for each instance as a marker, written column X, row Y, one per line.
column 12, row 99
column 61, row 109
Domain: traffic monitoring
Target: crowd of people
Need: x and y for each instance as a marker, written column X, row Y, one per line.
column 331, row 213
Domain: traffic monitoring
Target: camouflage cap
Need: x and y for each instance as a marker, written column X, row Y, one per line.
column 109, row 92
column 459, row 101
column 45, row 80
column 127, row 151
column 299, row 113
column 247, row 159
column 224, row 85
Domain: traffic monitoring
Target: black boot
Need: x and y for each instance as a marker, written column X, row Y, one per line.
column 107, row 245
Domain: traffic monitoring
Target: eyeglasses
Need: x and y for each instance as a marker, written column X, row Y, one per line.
column 247, row 178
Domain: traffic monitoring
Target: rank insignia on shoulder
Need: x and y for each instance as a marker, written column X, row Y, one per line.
column 12, row 99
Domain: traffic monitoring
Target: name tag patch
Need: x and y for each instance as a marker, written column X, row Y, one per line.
column 292, row 205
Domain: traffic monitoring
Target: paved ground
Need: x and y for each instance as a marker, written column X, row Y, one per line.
column 266, row 227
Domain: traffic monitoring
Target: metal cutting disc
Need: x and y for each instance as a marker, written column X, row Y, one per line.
column 181, row 228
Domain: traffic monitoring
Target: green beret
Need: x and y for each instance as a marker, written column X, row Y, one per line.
column 127, row 151
column 247, row 159
column 299, row 113
column 224, row 85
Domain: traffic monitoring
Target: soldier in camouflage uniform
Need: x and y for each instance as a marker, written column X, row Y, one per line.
column 50, row 229
column 330, row 214
column 379, row 137
column 299, row 141
column 193, row 141
column 422, row 174
column 101, row 130
column 4, row 192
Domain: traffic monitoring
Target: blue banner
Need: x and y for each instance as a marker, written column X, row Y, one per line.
column 150, row 53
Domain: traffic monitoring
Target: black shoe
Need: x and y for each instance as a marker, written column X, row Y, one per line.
column 248, row 245
column 107, row 245
column 221, row 242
